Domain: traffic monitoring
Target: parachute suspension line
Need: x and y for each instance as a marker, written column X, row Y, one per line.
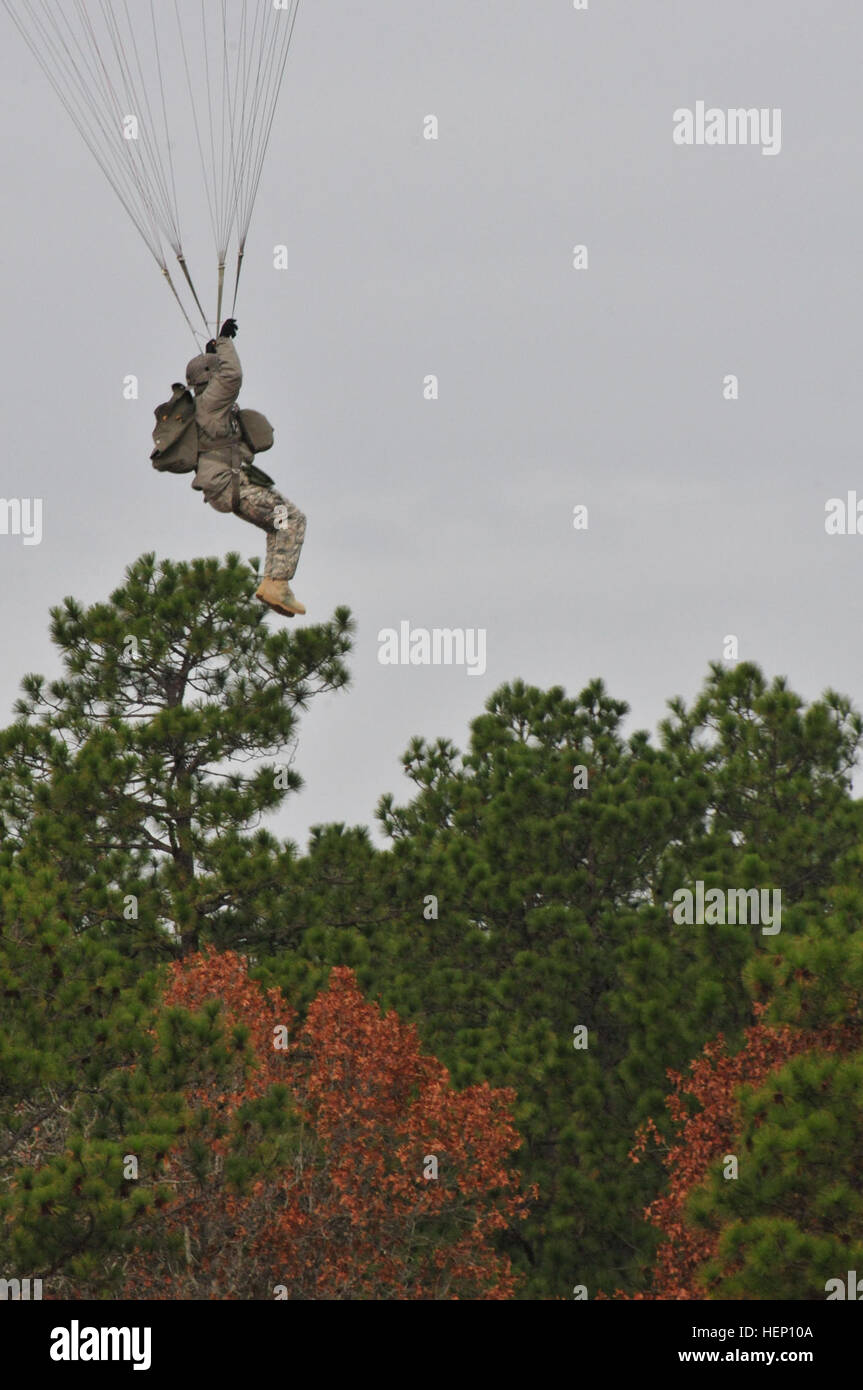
column 169, row 220
column 143, row 151
column 103, row 59
column 244, row 63
column 150, row 153
column 138, row 156
column 146, row 171
column 85, row 117
column 241, row 106
column 79, row 117
column 266, row 87
column 164, row 103
column 185, row 269
column 193, row 104
column 279, row 68
column 252, row 93
column 257, row 84
column 226, row 141
column 206, row 48
column 197, row 124
column 167, row 274
column 216, row 72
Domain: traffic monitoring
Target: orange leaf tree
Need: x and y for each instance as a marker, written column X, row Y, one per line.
column 718, row 1084
column 336, row 1164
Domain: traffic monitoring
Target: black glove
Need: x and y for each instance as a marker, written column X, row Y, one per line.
column 211, row 346
column 229, row 329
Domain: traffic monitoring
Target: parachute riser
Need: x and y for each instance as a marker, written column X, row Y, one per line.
column 240, row 254
column 220, row 294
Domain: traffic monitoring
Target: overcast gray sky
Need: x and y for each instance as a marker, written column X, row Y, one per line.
column 557, row 387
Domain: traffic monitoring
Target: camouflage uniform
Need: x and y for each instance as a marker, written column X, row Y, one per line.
column 222, row 452
column 284, row 524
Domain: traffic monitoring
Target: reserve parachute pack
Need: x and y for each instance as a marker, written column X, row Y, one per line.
column 176, row 436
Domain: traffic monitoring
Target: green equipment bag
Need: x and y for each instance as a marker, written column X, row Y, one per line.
column 176, row 434
column 256, row 475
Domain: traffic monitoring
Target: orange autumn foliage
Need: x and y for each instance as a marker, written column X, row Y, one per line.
column 345, row 1209
column 702, row 1138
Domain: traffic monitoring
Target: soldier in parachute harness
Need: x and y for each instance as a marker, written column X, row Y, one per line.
column 205, row 432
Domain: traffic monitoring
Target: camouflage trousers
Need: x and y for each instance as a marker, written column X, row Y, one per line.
column 284, row 524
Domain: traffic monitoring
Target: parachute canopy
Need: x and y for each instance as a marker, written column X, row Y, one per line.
column 156, row 87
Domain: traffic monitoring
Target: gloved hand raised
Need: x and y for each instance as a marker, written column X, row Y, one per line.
column 229, row 329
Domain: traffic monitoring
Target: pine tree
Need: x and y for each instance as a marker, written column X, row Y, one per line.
column 127, row 773
column 127, row 834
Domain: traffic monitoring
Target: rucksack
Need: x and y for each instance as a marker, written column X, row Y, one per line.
column 176, row 435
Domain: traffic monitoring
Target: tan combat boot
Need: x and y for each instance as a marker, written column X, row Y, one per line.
column 278, row 595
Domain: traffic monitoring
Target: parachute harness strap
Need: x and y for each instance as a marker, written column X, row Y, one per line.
column 235, row 474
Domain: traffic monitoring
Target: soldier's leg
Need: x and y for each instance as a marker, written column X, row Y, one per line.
column 284, row 524
column 285, row 543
